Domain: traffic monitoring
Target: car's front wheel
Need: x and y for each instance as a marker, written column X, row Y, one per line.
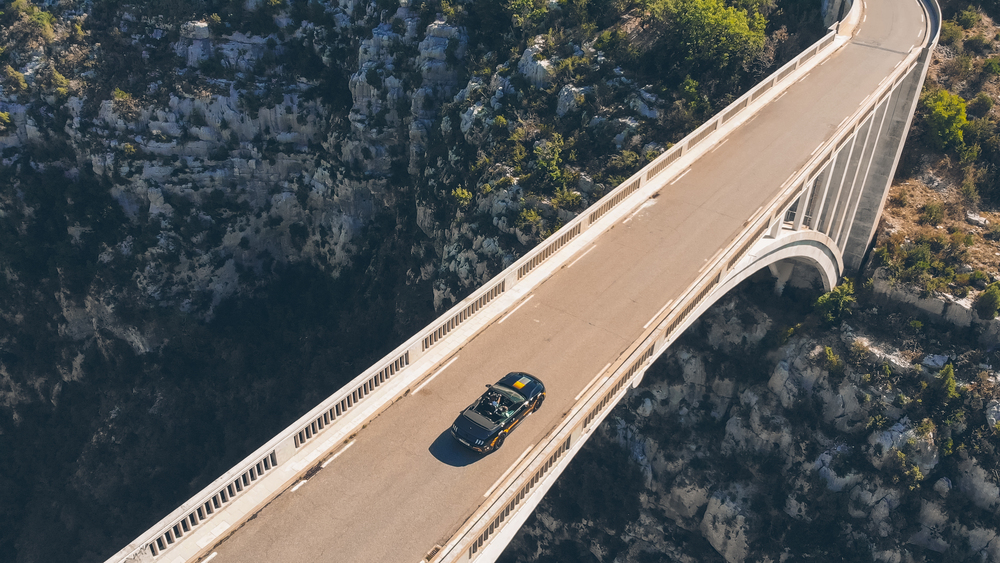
column 498, row 442
column 538, row 402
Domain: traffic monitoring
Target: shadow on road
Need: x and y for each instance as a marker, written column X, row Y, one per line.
column 447, row 450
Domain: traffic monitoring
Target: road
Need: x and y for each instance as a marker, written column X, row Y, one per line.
column 404, row 485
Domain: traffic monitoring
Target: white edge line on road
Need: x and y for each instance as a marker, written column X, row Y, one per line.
column 506, row 473
column 719, row 145
column 801, row 79
column 658, row 313
column 210, row 557
column 817, row 148
column 580, row 394
column 575, row 261
column 921, row 17
column 779, row 97
column 444, row 367
column 864, row 19
column 336, row 455
column 297, row 487
column 920, row 33
column 514, row 310
column 842, row 122
column 789, row 179
column 677, row 179
column 897, row 64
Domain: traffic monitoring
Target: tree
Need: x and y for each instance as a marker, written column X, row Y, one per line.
column 946, row 383
column 946, row 118
column 713, row 38
column 834, row 305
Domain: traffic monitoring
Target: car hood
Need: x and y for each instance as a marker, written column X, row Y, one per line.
column 474, row 425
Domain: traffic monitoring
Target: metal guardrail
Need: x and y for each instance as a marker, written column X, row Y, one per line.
column 199, row 509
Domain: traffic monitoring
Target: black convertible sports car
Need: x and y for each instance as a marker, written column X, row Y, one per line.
column 485, row 423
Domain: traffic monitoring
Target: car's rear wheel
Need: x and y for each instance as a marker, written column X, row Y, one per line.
column 538, row 402
column 498, row 442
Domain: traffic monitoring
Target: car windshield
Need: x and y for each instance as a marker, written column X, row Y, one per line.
column 498, row 404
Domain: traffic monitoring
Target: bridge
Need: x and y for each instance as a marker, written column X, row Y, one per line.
column 792, row 176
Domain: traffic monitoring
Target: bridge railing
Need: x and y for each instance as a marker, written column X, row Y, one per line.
column 370, row 390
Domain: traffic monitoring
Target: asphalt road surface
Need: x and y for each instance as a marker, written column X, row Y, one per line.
column 406, row 485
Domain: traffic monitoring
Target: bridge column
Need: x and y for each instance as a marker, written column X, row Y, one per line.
column 842, row 159
column 863, row 154
column 895, row 126
column 805, row 200
column 877, row 124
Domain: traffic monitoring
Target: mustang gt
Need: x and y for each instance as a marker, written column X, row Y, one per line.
column 485, row 423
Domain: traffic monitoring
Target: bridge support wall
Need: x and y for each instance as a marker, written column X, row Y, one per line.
column 876, row 182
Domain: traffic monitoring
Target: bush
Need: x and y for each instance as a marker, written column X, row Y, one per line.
column 463, row 197
column 988, row 302
column 528, row 217
column 4, row 121
column 832, row 362
column 951, row 33
column 992, row 66
column 978, row 43
column 981, row 104
column 834, row 305
column 932, row 214
column 566, row 199
column 946, row 118
column 968, row 18
column 14, row 79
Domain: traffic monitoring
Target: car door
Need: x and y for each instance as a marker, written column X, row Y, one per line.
column 517, row 417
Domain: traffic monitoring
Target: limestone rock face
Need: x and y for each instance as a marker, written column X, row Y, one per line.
column 537, row 70
column 976, row 483
column 725, row 527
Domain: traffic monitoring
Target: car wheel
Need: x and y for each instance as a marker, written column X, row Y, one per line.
column 538, row 402
column 498, row 442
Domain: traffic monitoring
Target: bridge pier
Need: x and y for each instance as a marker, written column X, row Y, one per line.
column 897, row 115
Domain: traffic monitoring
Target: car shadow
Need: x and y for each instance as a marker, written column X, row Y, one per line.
column 446, row 449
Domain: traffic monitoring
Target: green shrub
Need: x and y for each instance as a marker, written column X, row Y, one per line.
column 968, row 18
column 832, row 362
column 988, row 302
column 978, row 43
column 981, row 104
column 4, row 121
column 528, row 217
column 566, row 199
column 835, row 304
column 15, row 79
column 951, row 33
column 932, row 214
column 946, row 118
column 992, row 66
column 463, row 197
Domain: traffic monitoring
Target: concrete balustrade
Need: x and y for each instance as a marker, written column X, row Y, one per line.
column 235, row 496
